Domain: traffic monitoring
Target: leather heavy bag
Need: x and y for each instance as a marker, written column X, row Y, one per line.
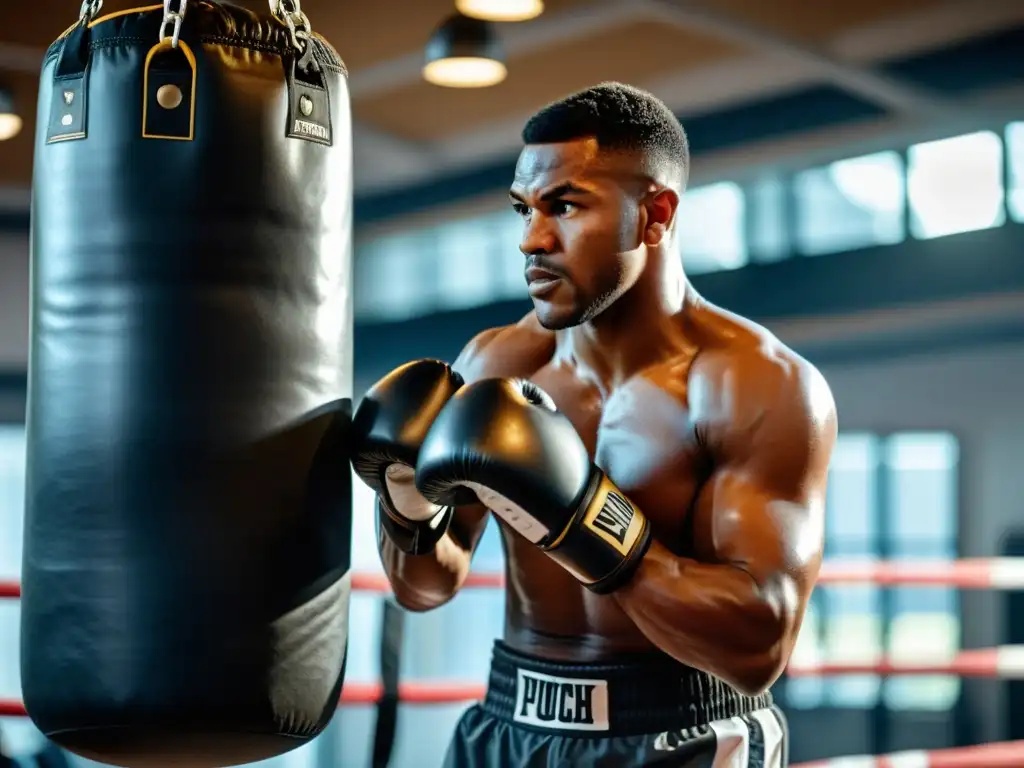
column 188, row 521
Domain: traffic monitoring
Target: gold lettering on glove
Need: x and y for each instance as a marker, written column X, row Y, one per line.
column 613, row 519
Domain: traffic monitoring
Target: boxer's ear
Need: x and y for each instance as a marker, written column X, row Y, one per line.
column 661, row 206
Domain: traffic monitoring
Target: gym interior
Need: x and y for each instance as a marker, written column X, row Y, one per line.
column 857, row 186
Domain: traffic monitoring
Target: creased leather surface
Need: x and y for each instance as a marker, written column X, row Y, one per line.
column 188, row 501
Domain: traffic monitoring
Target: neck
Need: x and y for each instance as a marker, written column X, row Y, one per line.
column 641, row 327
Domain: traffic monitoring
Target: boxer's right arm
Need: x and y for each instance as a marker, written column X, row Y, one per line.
column 428, row 581
column 425, row 548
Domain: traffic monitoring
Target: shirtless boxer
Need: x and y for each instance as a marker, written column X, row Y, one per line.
column 657, row 466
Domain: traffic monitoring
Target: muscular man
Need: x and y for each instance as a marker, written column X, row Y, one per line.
column 657, row 466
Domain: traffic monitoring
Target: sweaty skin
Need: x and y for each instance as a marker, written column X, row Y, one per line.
column 711, row 426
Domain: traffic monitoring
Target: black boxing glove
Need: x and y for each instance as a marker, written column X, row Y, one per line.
column 388, row 428
column 505, row 440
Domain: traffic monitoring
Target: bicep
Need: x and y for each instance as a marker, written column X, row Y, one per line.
column 776, row 538
column 765, row 499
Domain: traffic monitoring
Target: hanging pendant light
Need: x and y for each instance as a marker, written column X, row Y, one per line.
column 464, row 53
column 501, row 10
column 10, row 120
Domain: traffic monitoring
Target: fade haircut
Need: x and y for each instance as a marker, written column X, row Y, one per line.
column 620, row 118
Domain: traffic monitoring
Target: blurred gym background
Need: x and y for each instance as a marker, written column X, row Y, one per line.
column 857, row 186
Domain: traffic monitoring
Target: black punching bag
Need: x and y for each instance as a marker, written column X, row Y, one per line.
column 188, row 514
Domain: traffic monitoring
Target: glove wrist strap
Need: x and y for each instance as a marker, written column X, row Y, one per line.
column 606, row 539
column 620, row 576
column 410, row 536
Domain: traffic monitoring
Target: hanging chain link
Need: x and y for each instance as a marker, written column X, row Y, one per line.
column 289, row 13
column 174, row 15
column 89, row 10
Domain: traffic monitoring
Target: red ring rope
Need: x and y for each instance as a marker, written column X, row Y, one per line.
column 356, row 694
column 981, row 573
column 1000, row 755
column 1006, row 573
column 1006, row 662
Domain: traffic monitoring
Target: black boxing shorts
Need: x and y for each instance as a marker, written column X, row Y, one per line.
column 641, row 711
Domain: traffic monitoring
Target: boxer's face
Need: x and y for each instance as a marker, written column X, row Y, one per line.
column 582, row 228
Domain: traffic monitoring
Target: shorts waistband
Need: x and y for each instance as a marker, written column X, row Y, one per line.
column 639, row 695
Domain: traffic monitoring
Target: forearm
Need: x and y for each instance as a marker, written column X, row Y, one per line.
column 425, row 582
column 714, row 617
column 422, row 582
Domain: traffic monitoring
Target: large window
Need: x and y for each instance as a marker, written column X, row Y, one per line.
column 12, row 496
column 844, row 624
column 464, row 264
column 921, row 507
column 395, row 276
column 19, row 735
column 768, row 219
column 850, row 204
column 1015, row 167
column 956, row 185
column 937, row 188
column 890, row 497
column 508, row 261
column 710, row 227
column 458, row 264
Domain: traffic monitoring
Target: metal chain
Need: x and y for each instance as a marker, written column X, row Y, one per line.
column 174, row 15
column 289, row 13
column 89, row 10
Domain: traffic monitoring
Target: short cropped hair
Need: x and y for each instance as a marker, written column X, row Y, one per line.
column 618, row 117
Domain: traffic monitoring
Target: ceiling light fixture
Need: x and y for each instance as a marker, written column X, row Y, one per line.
column 501, row 10
column 10, row 120
column 464, row 53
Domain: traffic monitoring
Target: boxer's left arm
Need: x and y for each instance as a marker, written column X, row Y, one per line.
column 770, row 432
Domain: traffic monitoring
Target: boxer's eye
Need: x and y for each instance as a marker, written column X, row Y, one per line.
column 562, row 208
column 521, row 209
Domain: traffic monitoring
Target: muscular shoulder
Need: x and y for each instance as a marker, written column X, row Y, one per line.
column 516, row 350
column 752, row 395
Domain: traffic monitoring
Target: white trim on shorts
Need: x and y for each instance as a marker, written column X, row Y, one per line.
column 733, row 743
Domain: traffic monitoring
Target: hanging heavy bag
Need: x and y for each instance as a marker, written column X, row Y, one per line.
column 188, row 513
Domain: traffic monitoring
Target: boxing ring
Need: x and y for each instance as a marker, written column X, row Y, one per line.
column 999, row 663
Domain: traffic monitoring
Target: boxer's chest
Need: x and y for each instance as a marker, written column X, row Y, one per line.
column 642, row 435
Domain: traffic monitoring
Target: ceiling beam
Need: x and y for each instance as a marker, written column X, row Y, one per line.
column 943, row 24
column 874, row 86
column 757, row 75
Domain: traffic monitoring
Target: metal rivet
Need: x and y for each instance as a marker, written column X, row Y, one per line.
column 67, row 120
column 69, row 96
column 306, row 105
column 169, row 96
